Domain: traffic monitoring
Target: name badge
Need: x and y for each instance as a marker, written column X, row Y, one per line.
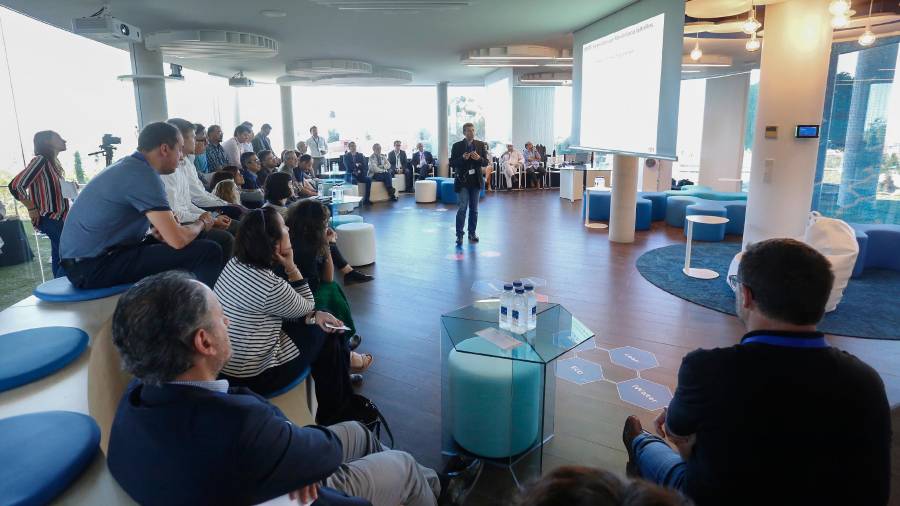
column 471, row 172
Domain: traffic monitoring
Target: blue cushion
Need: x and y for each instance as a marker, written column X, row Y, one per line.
column 676, row 210
column 736, row 213
column 29, row 355
column 43, row 453
column 643, row 214
column 447, row 193
column 659, row 204
column 345, row 218
column 299, row 379
column 61, row 290
column 600, row 202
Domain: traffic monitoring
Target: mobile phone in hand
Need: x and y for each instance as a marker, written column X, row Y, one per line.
column 342, row 327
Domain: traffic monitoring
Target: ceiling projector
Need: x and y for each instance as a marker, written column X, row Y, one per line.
column 106, row 29
column 239, row 81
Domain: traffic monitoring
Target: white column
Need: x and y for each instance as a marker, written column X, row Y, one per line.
column 793, row 75
column 443, row 134
column 287, row 116
column 724, row 118
column 623, row 200
column 149, row 93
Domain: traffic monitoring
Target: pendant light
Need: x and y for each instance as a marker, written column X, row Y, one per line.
column 868, row 37
column 753, row 44
column 751, row 24
column 839, row 7
column 696, row 53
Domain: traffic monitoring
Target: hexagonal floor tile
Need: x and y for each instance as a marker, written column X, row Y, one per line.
column 578, row 371
column 633, row 358
column 611, row 371
column 644, row 393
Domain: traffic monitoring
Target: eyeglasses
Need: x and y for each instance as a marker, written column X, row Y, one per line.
column 733, row 281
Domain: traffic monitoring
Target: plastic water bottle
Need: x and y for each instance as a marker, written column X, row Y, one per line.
column 517, row 284
column 321, row 190
column 506, row 299
column 519, row 323
column 531, row 298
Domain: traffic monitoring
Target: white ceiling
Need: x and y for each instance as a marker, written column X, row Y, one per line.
column 429, row 43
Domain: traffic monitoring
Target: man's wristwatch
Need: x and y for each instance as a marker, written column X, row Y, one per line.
column 311, row 319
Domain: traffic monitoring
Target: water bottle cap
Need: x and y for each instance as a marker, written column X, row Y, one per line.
column 517, row 283
column 529, row 286
column 508, row 286
column 520, row 290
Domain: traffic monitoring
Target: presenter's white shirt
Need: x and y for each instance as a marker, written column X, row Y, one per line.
column 317, row 146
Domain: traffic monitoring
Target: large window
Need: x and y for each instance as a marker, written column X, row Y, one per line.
column 690, row 130
column 858, row 178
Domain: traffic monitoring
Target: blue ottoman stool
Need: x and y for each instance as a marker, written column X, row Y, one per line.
column 61, row 290
column 659, row 200
column 736, row 212
column 675, row 210
column 447, row 193
column 643, row 214
column 703, row 231
column 29, row 355
column 600, row 202
column 341, row 219
column 43, row 453
column 495, row 404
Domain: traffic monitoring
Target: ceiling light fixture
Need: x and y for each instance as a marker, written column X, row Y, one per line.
column 696, row 53
column 839, row 7
column 558, row 65
column 503, row 57
column 840, row 21
column 751, row 25
column 753, row 44
column 868, row 37
column 272, row 13
column 502, row 65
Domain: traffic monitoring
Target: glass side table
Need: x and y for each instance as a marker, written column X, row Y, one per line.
column 498, row 388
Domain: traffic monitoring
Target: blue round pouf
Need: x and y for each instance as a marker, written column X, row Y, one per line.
column 61, row 290
column 705, row 231
column 447, row 192
column 643, row 214
column 495, row 403
column 43, row 453
column 29, row 355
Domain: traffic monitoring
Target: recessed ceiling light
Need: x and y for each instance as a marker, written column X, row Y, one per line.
column 271, row 13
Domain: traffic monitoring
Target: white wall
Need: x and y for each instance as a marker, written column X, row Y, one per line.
column 532, row 116
column 722, row 145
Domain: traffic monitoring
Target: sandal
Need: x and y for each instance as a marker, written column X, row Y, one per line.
column 364, row 361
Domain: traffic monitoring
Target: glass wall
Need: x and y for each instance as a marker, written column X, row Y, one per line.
column 690, row 129
column 562, row 118
column 858, row 176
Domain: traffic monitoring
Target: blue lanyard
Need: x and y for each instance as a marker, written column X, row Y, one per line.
column 788, row 342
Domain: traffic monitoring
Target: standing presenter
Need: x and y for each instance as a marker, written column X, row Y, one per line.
column 467, row 158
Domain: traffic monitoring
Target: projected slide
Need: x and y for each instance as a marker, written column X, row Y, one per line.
column 620, row 91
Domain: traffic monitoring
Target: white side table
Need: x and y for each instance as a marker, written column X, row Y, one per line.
column 587, row 208
column 691, row 271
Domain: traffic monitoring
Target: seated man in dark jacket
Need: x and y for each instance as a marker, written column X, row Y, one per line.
column 182, row 437
column 782, row 417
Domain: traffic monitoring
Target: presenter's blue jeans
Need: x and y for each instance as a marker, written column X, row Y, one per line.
column 658, row 462
column 468, row 200
column 53, row 230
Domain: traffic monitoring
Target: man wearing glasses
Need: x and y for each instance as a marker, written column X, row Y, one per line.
column 781, row 417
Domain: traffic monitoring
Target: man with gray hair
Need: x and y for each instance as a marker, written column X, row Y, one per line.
column 180, row 436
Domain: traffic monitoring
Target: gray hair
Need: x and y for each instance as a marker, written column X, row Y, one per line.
column 154, row 324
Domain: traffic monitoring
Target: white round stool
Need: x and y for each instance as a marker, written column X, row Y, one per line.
column 426, row 191
column 357, row 243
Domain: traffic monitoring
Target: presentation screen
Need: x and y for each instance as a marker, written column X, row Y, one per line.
column 627, row 77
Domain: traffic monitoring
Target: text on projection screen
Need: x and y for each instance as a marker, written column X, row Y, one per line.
column 620, row 88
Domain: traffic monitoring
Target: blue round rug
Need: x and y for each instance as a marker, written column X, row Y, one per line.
column 868, row 308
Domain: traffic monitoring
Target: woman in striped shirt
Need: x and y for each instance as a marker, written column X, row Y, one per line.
column 275, row 330
column 39, row 188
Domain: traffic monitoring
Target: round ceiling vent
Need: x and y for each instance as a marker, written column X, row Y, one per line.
column 212, row 44
column 315, row 69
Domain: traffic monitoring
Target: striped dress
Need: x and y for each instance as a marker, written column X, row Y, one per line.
column 256, row 301
column 40, row 183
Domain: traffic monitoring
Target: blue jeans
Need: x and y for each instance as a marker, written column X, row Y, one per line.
column 53, row 229
column 658, row 462
column 468, row 199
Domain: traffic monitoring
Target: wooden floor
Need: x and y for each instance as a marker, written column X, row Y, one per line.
column 420, row 275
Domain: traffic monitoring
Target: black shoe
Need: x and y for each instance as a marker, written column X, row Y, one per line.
column 356, row 380
column 355, row 276
column 631, row 430
column 473, row 238
column 367, row 202
column 459, row 240
column 456, row 485
column 354, row 341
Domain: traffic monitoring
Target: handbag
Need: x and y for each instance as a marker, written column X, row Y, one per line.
column 361, row 409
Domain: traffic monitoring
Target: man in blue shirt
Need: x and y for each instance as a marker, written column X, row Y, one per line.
column 105, row 240
column 215, row 153
column 782, row 417
column 180, row 436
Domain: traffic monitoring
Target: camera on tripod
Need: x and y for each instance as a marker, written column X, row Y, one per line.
column 107, row 147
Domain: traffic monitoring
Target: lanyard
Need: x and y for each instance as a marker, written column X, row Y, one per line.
column 788, row 342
